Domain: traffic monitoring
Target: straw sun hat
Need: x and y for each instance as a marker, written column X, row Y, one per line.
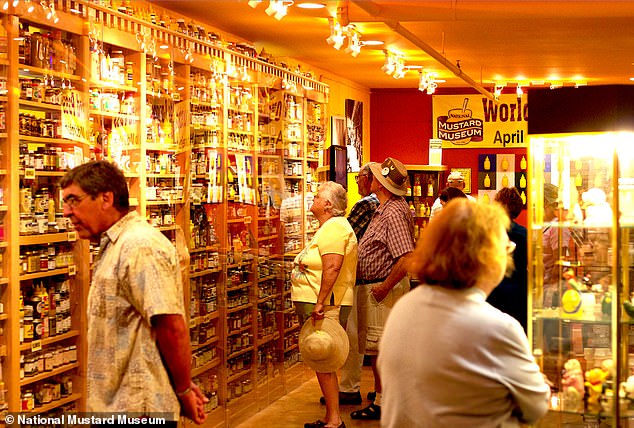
column 324, row 346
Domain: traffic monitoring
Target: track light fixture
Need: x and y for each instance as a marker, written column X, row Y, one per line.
column 340, row 33
column 394, row 64
column 428, row 82
column 337, row 36
column 277, row 8
column 519, row 91
column 498, row 89
column 354, row 41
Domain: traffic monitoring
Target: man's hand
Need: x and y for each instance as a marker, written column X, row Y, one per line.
column 193, row 404
column 379, row 292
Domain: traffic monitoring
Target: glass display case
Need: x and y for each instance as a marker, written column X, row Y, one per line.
column 581, row 246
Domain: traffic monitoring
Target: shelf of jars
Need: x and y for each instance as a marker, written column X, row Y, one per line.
column 51, row 138
column 269, row 332
column 222, row 135
column 315, row 141
column 114, row 104
column 423, row 186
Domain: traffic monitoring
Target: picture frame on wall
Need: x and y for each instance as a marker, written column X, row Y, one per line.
column 466, row 173
column 354, row 127
column 338, row 131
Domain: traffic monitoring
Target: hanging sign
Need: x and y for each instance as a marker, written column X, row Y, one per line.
column 475, row 121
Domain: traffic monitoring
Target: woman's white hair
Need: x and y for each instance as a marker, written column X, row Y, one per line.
column 336, row 195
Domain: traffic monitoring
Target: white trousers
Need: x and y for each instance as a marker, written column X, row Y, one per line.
column 351, row 371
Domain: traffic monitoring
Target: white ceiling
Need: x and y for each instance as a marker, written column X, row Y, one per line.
column 494, row 41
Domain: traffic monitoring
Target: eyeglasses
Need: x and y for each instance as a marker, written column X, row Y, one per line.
column 71, row 201
column 356, row 177
column 510, row 247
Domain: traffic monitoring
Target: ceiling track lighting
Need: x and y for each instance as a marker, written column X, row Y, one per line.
column 428, row 82
column 278, row 8
column 394, row 65
column 497, row 91
column 340, row 33
column 337, row 36
column 519, row 91
column 354, row 41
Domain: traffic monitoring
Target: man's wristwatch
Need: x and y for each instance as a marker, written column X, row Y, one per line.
column 185, row 392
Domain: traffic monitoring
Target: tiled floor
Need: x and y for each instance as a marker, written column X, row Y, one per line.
column 302, row 405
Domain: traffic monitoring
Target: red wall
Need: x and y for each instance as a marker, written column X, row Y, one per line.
column 401, row 126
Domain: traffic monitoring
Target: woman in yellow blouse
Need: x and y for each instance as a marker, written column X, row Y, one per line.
column 323, row 279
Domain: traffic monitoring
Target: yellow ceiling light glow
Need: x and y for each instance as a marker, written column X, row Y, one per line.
column 311, row 5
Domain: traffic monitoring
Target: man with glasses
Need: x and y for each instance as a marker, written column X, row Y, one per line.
column 139, row 355
column 359, row 218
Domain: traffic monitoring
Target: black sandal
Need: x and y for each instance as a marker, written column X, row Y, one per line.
column 370, row 413
column 317, row 424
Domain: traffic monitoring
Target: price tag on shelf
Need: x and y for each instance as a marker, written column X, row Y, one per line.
column 72, row 236
column 72, row 270
column 193, row 322
column 36, row 345
column 247, row 219
column 207, row 318
column 29, row 173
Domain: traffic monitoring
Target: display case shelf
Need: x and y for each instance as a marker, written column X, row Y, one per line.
column 205, row 368
column 55, row 404
column 49, row 340
column 48, row 374
column 40, row 105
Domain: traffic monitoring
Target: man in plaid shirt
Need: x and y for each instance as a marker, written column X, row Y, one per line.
column 381, row 271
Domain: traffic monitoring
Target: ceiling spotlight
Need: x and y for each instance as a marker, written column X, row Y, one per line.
column 254, row 3
column 394, row 65
column 399, row 70
column 498, row 89
column 278, row 8
column 428, row 82
column 372, row 43
column 519, row 91
column 337, row 36
column 311, row 5
column 354, row 42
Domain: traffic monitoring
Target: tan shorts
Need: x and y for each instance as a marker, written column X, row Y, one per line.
column 372, row 314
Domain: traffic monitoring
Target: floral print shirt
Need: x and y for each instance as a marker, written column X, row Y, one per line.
column 136, row 276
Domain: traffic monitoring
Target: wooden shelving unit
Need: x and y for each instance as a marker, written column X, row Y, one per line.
column 213, row 179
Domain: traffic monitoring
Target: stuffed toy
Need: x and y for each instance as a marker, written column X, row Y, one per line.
column 571, row 299
column 626, row 393
column 598, row 210
column 594, row 387
column 573, row 387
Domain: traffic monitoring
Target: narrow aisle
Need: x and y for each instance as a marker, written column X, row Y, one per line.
column 302, row 405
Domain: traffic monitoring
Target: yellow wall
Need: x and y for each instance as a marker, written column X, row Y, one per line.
column 340, row 90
